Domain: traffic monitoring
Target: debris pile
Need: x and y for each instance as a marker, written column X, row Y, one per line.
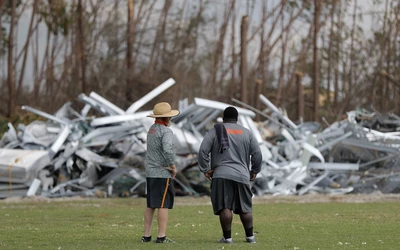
column 99, row 151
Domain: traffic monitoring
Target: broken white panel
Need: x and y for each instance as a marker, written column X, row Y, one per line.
column 21, row 166
column 221, row 106
column 66, row 111
column 94, row 104
column 248, row 123
column 183, row 104
column 46, row 115
column 313, row 151
column 62, row 137
column 333, row 142
column 11, row 133
column 334, row 166
column 374, row 135
column 306, row 154
column 185, row 113
column 265, row 152
column 85, row 110
column 298, row 174
column 313, row 183
column 287, row 135
column 274, row 109
column 89, row 155
column 119, row 118
column 149, row 96
column 195, row 132
column 112, row 130
column 208, row 119
column 110, row 106
column 70, row 149
column 330, row 134
column 39, row 132
column 185, row 142
column 33, row 187
column 289, row 182
column 201, row 114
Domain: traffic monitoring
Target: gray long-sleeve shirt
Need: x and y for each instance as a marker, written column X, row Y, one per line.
column 160, row 151
column 233, row 163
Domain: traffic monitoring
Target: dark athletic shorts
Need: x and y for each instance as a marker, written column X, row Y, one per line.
column 233, row 195
column 160, row 192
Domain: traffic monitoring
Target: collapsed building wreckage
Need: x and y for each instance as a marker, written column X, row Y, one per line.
column 72, row 154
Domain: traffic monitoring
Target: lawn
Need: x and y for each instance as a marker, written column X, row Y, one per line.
column 117, row 223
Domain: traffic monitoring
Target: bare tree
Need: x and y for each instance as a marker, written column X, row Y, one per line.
column 219, row 49
column 351, row 53
column 26, row 48
column 82, row 50
column 129, row 48
column 159, row 37
column 11, row 78
column 2, row 3
column 243, row 59
column 315, row 78
column 330, row 50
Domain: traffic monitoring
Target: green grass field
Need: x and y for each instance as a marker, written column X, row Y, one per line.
column 117, row 223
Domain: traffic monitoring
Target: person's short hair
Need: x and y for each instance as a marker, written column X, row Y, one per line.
column 230, row 113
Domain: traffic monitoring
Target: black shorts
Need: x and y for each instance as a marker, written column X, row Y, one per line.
column 230, row 194
column 160, row 192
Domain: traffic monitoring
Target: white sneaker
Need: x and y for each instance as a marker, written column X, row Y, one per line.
column 227, row 241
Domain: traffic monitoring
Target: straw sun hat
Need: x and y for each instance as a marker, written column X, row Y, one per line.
column 163, row 109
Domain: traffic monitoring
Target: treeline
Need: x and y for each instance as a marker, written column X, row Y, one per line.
column 338, row 54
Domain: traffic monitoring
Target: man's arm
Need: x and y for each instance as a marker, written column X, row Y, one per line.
column 205, row 150
column 256, row 157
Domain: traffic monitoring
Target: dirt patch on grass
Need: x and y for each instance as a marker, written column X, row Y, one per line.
column 325, row 198
column 205, row 200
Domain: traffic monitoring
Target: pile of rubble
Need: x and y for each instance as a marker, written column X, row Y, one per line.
column 75, row 154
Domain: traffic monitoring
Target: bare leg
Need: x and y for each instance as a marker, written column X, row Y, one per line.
column 247, row 221
column 225, row 218
column 148, row 219
column 162, row 221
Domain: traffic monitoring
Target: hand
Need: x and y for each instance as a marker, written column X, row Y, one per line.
column 252, row 176
column 209, row 174
column 172, row 170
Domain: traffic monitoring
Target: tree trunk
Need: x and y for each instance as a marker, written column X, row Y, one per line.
column 330, row 48
column 213, row 90
column 315, row 78
column 159, row 38
column 284, row 38
column 300, row 96
column 243, row 59
column 10, row 64
column 353, row 30
column 2, row 2
column 262, row 70
column 233, row 88
column 26, row 49
column 337, row 58
column 82, row 52
column 129, row 49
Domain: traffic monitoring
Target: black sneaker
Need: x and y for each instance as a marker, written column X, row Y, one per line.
column 164, row 240
column 146, row 239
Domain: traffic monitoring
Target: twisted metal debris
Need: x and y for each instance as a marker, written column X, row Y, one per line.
column 73, row 153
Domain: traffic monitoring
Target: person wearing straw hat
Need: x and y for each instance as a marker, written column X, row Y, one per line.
column 160, row 171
